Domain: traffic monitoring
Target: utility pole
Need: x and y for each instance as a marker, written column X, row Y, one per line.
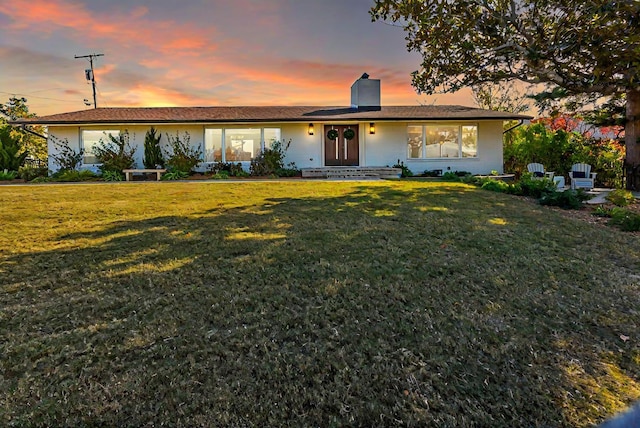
column 90, row 75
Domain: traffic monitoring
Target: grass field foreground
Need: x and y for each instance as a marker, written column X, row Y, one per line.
column 310, row 303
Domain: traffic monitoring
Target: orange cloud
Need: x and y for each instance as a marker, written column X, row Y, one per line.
column 232, row 82
column 163, row 62
column 154, row 96
column 128, row 29
column 184, row 43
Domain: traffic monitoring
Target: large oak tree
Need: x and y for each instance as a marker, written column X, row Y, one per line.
column 582, row 48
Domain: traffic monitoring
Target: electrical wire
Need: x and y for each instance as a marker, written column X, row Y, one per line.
column 34, row 96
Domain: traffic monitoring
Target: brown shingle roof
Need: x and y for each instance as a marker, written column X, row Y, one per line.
column 152, row 115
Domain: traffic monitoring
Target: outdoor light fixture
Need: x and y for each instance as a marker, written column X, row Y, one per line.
column 310, row 130
column 372, row 128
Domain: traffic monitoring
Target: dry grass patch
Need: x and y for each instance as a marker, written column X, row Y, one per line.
column 310, row 303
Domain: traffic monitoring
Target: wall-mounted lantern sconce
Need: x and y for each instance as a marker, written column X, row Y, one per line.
column 372, row 128
column 310, row 130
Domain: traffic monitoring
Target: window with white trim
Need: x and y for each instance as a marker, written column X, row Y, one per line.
column 237, row 144
column 442, row 140
column 90, row 138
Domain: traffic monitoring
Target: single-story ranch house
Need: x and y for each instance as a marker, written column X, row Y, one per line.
column 366, row 134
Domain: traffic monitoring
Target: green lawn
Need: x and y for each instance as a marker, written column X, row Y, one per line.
column 310, row 304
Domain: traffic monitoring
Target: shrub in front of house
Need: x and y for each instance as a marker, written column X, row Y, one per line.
column 622, row 218
column 115, row 154
column 7, row 175
column 181, row 156
column 544, row 190
column 626, row 220
column 231, row 169
column 500, row 186
column 621, row 197
column 289, row 171
column 153, row 157
column 464, row 176
column 535, row 187
column 220, row 175
column 569, row 199
column 111, row 176
column 67, row 158
column 269, row 160
column 174, row 175
column 406, row 172
column 28, row 173
column 73, row 175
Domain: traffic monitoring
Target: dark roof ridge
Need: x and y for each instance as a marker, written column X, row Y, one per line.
column 218, row 114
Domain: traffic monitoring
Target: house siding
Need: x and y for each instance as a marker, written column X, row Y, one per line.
column 385, row 147
column 389, row 145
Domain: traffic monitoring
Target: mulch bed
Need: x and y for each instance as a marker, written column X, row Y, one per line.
column 14, row 181
column 586, row 214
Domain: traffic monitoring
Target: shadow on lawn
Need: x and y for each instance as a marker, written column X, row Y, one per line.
column 381, row 307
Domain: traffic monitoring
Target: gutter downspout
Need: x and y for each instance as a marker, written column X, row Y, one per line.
column 24, row 128
column 514, row 126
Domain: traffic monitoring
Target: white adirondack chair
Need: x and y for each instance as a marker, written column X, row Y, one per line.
column 537, row 169
column 582, row 177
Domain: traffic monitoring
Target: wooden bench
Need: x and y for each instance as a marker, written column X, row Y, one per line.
column 128, row 173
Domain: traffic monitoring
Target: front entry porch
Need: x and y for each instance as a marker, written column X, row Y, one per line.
column 341, row 145
column 352, row 172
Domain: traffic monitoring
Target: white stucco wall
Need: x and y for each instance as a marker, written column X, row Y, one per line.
column 389, row 144
column 305, row 150
column 58, row 133
column 136, row 138
column 385, row 147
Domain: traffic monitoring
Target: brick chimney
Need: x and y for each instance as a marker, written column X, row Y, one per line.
column 365, row 94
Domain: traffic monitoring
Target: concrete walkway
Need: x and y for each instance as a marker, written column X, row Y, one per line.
column 600, row 195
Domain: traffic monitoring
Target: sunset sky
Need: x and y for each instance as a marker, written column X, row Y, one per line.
column 201, row 53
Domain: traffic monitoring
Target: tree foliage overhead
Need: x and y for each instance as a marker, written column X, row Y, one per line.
column 587, row 49
column 580, row 46
column 16, row 108
column 496, row 97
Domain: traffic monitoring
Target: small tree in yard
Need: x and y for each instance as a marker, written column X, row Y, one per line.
column 11, row 155
column 17, row 109
column 115, row 154
column 182, row 158
column 582, row 51
column 152, row 151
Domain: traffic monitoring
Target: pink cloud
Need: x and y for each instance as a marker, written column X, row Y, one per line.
column 165, row 62
column 128, row 29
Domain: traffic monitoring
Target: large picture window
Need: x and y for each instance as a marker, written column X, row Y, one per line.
column 438, row 141
column 91, row 138
column 213, row 145
column 237, row 144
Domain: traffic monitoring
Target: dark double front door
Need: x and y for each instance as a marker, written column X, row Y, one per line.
column 343, row 150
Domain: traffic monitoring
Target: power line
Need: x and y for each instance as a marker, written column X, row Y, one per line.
column 89, row 74
column 33, row 96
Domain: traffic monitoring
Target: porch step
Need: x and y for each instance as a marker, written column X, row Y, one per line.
column 351, row 172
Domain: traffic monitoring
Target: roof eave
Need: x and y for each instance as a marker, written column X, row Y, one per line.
column 264, row 120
